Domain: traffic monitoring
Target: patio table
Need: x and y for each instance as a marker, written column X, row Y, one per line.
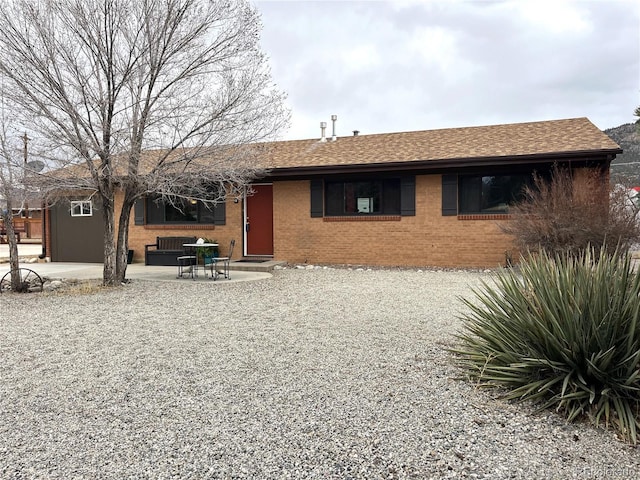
column 197, row 246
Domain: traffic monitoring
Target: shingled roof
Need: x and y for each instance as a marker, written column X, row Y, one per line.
column 500, row 143
column 495, row 145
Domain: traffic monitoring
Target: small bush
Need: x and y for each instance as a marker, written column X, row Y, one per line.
column 565, row 332
column 572, row 212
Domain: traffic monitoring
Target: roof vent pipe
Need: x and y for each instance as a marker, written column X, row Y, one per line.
column 333, row 134
column 356, row 133
column 323, row 126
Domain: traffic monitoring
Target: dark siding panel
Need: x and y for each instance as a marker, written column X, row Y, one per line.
column 408, row 196
column 316, row 198
column 76, row 239
column 138, row 212
column 220, row 214
column 55, row 240
column 449, row 195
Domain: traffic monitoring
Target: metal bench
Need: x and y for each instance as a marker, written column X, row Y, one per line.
column 166, row 250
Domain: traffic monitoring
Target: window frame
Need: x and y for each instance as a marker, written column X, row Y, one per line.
column 484, row 204
column 81, row 204
column 385, row 192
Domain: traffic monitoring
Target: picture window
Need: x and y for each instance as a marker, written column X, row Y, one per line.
column 490, row 193
column 372, row 197
column 184, row 211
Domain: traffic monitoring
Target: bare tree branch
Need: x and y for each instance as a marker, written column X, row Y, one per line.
column 572, row 212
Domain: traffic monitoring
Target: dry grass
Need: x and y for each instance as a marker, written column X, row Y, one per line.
column 79, row 287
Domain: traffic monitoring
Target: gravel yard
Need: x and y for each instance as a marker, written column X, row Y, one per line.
column 323, row 373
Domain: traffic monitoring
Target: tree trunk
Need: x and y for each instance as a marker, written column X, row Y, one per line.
column 109, row 270
column 14, row 264
column 123, row 237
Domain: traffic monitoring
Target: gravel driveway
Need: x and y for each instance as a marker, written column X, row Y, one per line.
column 323, row 373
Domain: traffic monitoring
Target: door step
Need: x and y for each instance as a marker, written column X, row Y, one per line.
column 254, row 264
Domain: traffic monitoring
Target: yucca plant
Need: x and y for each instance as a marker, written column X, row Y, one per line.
column 562, row 331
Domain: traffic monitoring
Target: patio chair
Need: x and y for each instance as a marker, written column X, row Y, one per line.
column 213, row 261
column 187, row 263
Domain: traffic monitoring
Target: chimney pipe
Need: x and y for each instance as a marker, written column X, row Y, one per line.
column 323, row 126
column 356, row 133
column 333, row 135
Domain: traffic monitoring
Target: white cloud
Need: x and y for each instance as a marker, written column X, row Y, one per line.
column 383, row 66
column 361, row 57
column 436, row 46
column 555, row 17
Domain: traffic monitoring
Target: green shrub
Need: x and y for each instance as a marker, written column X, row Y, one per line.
column 563, row 331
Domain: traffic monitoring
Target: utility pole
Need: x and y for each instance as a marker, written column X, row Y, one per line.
column 27, row 227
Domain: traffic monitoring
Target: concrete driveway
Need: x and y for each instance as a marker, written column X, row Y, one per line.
column 24, row 250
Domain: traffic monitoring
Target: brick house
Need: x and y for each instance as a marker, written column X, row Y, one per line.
column 423, row 198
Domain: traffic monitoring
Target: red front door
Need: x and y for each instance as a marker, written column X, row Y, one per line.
column 259, row 221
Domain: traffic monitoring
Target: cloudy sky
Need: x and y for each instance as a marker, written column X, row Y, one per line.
column 390, row 66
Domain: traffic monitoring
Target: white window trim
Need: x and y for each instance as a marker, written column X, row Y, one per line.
column 82, row 204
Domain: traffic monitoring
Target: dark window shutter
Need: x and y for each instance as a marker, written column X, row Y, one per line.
column 316, row 198
column 408, row 196
column 449, row 195
column 220, row 213
column 138, row 212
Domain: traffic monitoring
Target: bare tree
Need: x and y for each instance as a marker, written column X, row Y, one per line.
column 169, row 97
column 574, row 212
column 13, row 191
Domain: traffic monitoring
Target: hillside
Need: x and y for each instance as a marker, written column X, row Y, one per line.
column 628, row 163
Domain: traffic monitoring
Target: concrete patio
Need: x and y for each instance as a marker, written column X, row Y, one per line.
column 29, row 257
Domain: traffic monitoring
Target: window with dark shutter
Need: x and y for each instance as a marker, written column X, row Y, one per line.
column 185, row 212
column 408, row 196
column 362, row 197
column 316, row 198
column 449, row 195
column 138, row 212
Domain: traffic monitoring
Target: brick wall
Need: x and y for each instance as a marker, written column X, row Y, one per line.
column 426, row 239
